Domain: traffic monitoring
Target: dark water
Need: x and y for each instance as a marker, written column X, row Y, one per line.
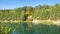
column 28, row 28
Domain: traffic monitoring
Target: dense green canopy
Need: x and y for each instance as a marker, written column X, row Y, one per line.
column 43, row 12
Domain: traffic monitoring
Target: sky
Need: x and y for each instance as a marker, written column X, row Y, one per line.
column 11, row 4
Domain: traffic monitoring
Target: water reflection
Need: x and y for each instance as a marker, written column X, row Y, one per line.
column 28, row 28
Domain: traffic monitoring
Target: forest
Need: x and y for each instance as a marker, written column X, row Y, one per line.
column 44, row 12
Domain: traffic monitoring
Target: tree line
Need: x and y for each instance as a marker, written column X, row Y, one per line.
column 44, row 12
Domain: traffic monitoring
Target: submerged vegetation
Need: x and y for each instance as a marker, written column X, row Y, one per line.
column 44, row 12
column 29, row 28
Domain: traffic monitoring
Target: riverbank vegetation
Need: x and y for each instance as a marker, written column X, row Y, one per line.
column 44, row 12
